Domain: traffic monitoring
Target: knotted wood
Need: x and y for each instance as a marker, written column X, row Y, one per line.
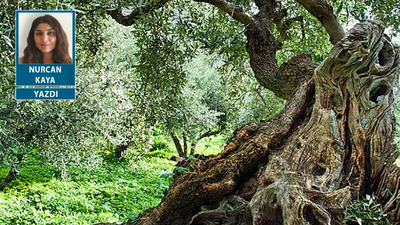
column 332, row 143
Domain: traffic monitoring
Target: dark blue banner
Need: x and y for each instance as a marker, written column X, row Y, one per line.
column 45, row 93
column 45, row 75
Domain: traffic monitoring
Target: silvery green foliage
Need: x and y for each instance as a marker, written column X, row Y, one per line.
column 366, row 211
column 115, row 88
column 71, row 132
column 200, row 107
column 161, row 50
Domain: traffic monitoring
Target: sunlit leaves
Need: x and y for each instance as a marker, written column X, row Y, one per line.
column 354, row 11
column 160, row 57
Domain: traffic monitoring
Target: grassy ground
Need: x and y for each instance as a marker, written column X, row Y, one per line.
column 211, row 146
column 114, row 192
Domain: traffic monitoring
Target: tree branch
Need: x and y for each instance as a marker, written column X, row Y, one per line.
column 260, row 96
column 324, row 13
column 284, row 26
column 206, row 134
column 209, row 134
column 185, row 146
column 136, row 13
column 234, row 11
column 262, row 46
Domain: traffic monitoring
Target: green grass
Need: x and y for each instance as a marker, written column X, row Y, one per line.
column 211, row 146
column 114, row 192
column 207, row 146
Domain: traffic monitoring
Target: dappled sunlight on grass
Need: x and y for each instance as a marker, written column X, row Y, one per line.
column 207, row 146
column 211, row 146
column 114, row 192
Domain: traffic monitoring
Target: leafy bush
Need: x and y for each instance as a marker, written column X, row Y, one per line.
column 365, row 211
column 159, row 144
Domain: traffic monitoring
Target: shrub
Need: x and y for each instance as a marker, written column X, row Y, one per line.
column 159, row 144
column 365, row 211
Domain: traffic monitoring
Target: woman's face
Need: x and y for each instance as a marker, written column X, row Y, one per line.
column 45, row 37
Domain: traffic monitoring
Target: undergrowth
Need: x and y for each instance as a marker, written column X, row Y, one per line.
column 114, row 192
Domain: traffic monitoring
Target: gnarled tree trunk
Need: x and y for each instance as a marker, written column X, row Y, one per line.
column 332, row 143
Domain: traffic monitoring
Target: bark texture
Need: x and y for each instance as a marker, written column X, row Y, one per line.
column 332, row 143
column 262, row 47
column 324, row 13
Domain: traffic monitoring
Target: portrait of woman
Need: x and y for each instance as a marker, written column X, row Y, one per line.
column 47, row 43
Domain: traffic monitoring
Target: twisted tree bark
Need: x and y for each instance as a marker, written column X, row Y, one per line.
column 332, row 143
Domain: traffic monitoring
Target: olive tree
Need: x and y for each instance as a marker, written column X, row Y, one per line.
column 330, row 144
column 69, row 133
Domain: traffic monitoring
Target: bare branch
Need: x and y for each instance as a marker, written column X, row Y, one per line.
column 324, row 13
column 235, row 12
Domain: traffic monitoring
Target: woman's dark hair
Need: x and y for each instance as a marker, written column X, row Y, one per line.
column 32, row 55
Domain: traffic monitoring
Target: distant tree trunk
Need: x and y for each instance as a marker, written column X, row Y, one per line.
column 10, row 177
column 12, row 174
column 185, row 145
column 177, row 144
column 119, row 150
column 331, row 144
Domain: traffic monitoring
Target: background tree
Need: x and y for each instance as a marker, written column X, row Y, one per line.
column 200, row 111
column 67, row 133
column 208, row 105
